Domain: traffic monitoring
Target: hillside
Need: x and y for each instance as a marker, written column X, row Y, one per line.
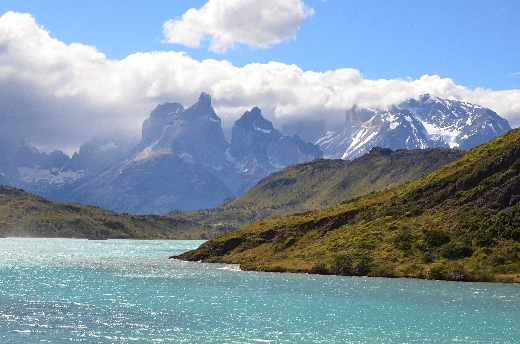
column 323, row 183
column 461, row 222
column 26, row 215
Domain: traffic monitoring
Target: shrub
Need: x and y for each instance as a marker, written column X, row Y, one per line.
column 404, row 239
column 483, row 237
column 363, row 266
column 437, row 272
column 497, row 260
column 320, row 269
column 436, row 237
column 346, row 266
column 455, row 250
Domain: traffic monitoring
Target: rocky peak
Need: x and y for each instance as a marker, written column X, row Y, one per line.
column 459, row 124
column 194, row 133
column 254, row 137
column 205, row 99
column 355, row 117
column 202, row 108
column 253, row 120
column 166, row 110
column 251, row 135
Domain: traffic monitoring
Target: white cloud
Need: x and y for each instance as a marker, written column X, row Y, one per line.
column 58, row 96
column 252, row 22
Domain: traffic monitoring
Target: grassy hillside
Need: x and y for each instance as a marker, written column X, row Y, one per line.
column 24, row 214
column 461, row 222
column 324, row 183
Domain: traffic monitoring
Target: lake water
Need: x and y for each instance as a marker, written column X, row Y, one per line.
column 123, row 291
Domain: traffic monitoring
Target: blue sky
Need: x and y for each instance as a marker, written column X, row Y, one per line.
column 468, row 50
column 475, row 43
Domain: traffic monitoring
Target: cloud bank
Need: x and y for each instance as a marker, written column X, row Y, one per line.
column 228, row 22
column 58, row 96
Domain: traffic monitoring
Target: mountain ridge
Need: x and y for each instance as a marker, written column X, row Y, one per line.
column 323, row 183
column 26, row 215
column 461, row 222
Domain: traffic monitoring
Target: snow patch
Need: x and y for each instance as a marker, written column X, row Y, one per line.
column 358, row 141
column 229, row 157
column 108, row 146
column 449, row 136
column 265, row 131
column 37, row 175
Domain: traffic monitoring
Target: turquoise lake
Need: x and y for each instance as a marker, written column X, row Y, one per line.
column 124, row 291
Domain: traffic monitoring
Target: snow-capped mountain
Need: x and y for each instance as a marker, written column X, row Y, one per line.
column 414, row 124
column 459, row 124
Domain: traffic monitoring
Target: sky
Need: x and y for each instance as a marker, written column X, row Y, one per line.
column 72, row 70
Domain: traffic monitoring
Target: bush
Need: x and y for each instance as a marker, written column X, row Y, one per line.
column 437, row 272
column 363, row 266
column 436, row 237
column 346, row 266
column 483, row 238
column 497, row 260
column 319, row 269
column 403, row 239
column 455, row 250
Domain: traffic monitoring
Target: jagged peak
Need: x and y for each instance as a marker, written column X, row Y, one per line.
column 254, row 114
column 254, row 120
column 166, row 109
column 427, row 97
column 205, row 99
column 202, row 108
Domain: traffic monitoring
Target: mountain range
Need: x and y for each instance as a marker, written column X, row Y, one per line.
column 427, row 122
column 183, row 161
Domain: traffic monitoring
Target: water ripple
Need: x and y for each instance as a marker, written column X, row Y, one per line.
column 122, row 291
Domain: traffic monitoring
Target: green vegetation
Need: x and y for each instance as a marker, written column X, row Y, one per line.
column 26, row 215
column 324, row 183
column 461, row 222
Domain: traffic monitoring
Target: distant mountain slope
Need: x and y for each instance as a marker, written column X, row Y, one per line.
column 50, row 175
column 23, row 214
column 427, row 122
column 323, row 183
column 461, row 222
